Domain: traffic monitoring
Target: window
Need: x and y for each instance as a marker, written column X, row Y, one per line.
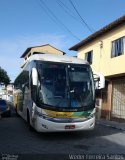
column 29, row 55
column 88, row 56
column 23, row 79
column 118, row 47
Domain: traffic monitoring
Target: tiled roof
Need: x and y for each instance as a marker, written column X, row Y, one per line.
column 98, row 33
column 28, row 49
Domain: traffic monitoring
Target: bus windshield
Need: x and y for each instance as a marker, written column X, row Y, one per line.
column 65, row 85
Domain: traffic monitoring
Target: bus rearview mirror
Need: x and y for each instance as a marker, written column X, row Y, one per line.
column 34, row 76
column 99, row 81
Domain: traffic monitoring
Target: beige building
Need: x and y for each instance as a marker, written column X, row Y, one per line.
column 47, row 48
column 105, row 51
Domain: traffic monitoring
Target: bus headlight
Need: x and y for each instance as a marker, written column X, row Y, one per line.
column 38, row 113
column 92, row 115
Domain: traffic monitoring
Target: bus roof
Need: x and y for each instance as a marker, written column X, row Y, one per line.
column 54, row 58
column 57, row 58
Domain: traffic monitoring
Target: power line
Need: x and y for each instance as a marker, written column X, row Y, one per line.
column 81, row 17
column 48, row 14
column 66, row 9
column 56, row 19
column 64, row 26
column 66, row 6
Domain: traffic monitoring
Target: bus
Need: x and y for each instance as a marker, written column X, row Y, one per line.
column 55, row 93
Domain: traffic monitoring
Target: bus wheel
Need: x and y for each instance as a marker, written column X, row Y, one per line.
column 28, row 121
column 16, row 111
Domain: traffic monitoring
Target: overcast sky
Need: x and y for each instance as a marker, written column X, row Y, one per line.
column 26, row 23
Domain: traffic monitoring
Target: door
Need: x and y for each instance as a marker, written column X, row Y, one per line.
column 118, row 99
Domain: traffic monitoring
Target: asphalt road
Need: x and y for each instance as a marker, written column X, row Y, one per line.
column 16, row 138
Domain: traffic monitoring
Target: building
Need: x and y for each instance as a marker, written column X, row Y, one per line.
column 47, row 48
column 6, row 92
column 105, row 51
column 2, row 89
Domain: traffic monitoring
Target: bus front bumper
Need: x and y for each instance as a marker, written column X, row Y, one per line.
column 43, row 125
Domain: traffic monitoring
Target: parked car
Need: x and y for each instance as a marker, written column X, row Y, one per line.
column 4, row 108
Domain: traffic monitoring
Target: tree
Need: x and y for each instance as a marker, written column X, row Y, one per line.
column 4, row 78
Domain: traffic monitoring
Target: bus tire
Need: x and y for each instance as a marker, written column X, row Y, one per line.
column 28, row 121
column 16, row 111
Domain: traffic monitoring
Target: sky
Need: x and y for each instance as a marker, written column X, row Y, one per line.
column 26, row 23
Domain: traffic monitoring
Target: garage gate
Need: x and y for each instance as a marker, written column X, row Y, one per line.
column 118, row 99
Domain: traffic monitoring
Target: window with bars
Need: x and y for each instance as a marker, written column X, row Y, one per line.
column 88, row 56
column 118, row 47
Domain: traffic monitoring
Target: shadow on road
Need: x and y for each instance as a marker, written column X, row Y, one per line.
column 97, row 132
column 16, row 137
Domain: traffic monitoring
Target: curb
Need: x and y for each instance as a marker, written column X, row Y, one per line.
column 111, row 126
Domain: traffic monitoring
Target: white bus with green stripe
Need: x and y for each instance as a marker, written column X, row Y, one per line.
column 56, row 93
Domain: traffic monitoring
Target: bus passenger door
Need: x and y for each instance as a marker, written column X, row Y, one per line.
column 20, row 101
column 26, row 99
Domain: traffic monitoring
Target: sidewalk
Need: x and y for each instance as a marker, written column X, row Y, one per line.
column 112, row 124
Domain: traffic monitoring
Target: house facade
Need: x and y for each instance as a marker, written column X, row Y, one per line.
column 47, row 48
column 105, row 51
column 6, row 92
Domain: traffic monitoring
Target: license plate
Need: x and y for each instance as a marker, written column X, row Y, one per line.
column 70, row 127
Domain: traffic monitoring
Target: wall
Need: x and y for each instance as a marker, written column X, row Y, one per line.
column 44, row 49
column 102, row 61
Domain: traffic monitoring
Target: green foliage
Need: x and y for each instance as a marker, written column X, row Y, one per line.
column 4, row 78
